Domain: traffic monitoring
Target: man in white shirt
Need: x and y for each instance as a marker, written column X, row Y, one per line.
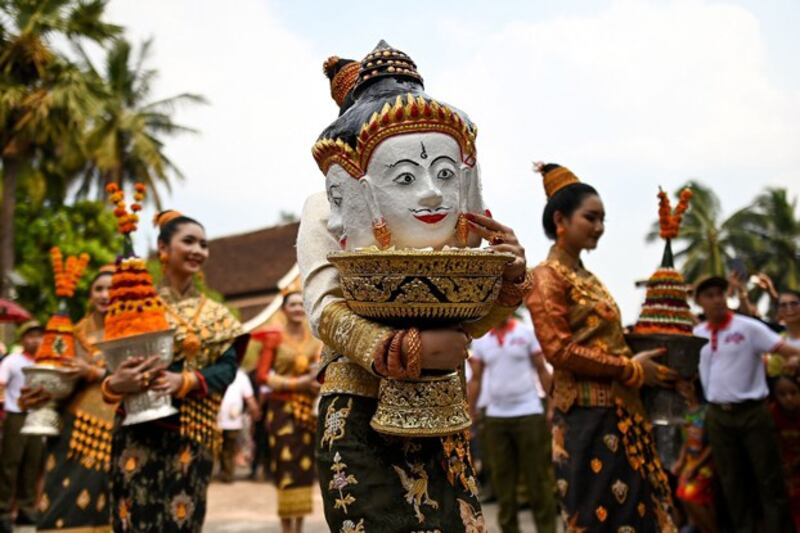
column 21, row 456
column 231, row 420
column 740, row 428
column 516, row 426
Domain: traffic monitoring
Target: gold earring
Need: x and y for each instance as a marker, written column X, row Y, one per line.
column 382, row 234
column 462, row 230
column 163, row 258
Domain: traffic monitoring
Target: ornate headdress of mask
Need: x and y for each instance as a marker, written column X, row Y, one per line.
column 389, row 101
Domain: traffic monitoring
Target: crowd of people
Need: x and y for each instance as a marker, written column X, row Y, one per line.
column 742, row 430
column 558, row 419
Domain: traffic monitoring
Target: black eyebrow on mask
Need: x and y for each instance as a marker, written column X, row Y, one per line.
column 443, row 157
column 402, row 161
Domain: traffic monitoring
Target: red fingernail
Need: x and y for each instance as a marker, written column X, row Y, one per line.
column 469, row 216
column 488, row 213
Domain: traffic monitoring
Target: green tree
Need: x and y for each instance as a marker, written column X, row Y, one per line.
column 87, row 226
column 44, row 98
column 126, row 143
column 767, row 237
column 702, row 246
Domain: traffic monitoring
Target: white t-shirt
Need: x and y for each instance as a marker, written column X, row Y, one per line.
column 13, row 379
column 231, row 410
column 512, row 379
column 731, row 364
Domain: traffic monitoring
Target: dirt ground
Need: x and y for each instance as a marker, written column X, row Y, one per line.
column 246, row 506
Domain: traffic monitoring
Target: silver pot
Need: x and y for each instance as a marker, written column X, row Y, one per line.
column 148, row 405
column 665, row 406
column 59, row 384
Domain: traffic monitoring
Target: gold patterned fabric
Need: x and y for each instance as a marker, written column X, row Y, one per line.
column 347, row 333
column 578, row 325
column 291, row 423
column 348, row 378
column 75, row 496
column 215, row 326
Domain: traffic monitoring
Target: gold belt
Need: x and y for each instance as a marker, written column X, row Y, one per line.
column 344, row 377
column 594, row 394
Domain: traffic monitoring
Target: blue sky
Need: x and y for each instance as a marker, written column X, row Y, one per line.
column 629, row 94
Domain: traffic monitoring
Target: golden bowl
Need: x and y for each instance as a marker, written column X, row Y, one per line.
column 432, row 406
column 427, row 285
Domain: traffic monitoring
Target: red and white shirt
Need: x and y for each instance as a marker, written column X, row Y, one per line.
column 511, row 387
column 13, row 379
column 731, row 365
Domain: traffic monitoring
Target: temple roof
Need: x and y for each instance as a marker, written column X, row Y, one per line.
column 245, row 268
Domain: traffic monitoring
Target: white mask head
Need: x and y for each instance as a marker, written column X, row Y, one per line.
column 413, row 182
column 349, row 219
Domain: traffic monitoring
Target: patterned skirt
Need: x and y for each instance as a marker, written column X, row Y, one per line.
column 374, row 482
column 77, row 467
column 159, row 480
column 608, row 474
column 291, row 439
column 75, row 495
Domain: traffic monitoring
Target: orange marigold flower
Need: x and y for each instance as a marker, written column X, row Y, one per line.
column 112, row 188
column 140, row 187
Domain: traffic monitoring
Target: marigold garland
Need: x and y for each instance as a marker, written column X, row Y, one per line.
column 67, row 274
column 127, row 222
column 669, row 221
column 135, row 307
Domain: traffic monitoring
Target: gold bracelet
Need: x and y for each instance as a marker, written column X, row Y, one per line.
column 187, row 382
column 636, row 379
column 108, row 395
column 414, row 363
column 394, row 360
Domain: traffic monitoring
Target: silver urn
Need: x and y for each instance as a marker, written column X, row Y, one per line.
column 666, row 406
column 59, row 384
column 148, row 405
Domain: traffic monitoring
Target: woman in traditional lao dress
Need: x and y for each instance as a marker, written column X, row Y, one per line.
column 288, row 366
column 608, row 473
column 161, row 469
column 77, row 463
column 371, row 481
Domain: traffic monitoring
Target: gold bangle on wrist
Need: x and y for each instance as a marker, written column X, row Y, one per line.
column 414, row 363
column 108, row 395
column 394, row 360
column 187, row 383
column 636, row 379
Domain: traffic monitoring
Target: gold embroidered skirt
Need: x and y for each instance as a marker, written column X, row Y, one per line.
column 376, row 482
column 292, row 444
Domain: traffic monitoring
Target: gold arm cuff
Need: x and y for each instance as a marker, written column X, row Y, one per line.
column 344, row 377
column 356, row 338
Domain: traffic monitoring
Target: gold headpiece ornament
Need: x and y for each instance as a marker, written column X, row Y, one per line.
column 295, row 286
column 344, row 80
column 556, row 179
column 107, row 269
column 165, row 217
column 409, row 114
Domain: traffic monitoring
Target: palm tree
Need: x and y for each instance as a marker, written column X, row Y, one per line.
column 44, row 98
column 126, row 143
column 767, row 237
column 704, row 236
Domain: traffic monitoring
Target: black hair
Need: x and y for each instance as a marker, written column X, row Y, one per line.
column 168, row 229
column 287, row 295
column 565, row 201
column 99, row 275
column 790, row 292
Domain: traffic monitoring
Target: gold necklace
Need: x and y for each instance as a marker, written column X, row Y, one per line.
column 191, row 343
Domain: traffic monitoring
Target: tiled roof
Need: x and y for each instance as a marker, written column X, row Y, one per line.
column 251, row 263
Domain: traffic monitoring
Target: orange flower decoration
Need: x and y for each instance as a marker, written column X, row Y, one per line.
column 669, row 221
column 127, row 222
column 67, row 274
